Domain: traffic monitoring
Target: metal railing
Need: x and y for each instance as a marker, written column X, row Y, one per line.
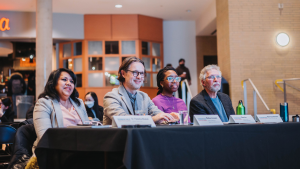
column 255, row 92
column 283, row 81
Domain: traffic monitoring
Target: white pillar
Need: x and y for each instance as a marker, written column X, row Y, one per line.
column 44, row 44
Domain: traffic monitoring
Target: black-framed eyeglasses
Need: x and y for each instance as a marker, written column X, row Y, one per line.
column 171, row 79
column 137, row 73
column 212, row 77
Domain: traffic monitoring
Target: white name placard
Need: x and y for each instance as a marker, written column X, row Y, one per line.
column 207, row 120
column 241, row 119
column 118, row 121
column 269, row 118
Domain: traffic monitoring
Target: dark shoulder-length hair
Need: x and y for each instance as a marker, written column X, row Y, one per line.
column 161, row 76
column 94, row 96
column 125, row 65
column 52, row 82
column 6, row 102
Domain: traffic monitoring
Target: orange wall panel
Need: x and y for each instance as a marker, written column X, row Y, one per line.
column 125, row 26
column 150, row 28
column 97, row 27
column 152, row 92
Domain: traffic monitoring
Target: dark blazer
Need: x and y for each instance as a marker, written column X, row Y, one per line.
column 8, row 116
column 99, row 114
column 202, row 104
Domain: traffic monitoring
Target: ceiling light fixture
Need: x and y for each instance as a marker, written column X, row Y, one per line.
column 118, row 6
column 282, row 39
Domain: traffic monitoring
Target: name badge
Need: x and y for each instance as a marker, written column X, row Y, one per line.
column 269, row 118
column 207, row 120
column 241, row 119
column 118, row 121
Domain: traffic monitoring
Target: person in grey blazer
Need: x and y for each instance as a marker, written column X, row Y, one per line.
column 209, row 100
column 126, row 99
column 59, row 91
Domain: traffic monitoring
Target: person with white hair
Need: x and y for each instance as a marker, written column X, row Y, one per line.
column 209, row 100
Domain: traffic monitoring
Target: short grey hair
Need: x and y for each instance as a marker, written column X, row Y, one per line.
column 206, row 69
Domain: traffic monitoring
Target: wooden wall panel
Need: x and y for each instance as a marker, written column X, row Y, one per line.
column 150, row 91
column 125, row 27
column 150, row 28
column 97, row 27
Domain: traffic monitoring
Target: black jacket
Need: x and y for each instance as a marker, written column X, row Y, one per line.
column 99, row 115
column 202, row 104
column 8, row 116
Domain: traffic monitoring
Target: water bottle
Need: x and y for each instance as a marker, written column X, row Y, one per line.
column 284, row 112
column 240, row 109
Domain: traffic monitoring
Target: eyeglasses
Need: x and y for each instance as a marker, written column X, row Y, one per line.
column 171, row 79
column 213, row 77
column 137, row 73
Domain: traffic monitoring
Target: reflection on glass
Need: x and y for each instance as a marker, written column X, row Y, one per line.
column 154, row 84
column 95, row 79
column 95, row 47
column 147, row 80
column 147, row 63
column 128, row 47
column 67, row 63
column 145, row 48
column 77, row 48
column 112, row 47
column 67, row 50
column 155, row 49
column 79, row 80
column 111, row 79
column 112, row 63
column 156, row 65
column 78, row 65
column 95, row 63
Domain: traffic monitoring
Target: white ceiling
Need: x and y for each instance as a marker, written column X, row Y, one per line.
column 165, row 9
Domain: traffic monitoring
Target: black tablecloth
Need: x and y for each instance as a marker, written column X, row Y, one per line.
column 230, row 146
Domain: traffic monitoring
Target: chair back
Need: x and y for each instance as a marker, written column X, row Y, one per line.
column 7, row 134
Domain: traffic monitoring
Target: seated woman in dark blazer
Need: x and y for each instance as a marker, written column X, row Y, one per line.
column 94, row 111
column 6, row 113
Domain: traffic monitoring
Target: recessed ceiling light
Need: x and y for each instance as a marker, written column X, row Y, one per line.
column 188, row 10
column 118, row 6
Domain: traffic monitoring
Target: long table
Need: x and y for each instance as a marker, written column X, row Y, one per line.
column 201, row 147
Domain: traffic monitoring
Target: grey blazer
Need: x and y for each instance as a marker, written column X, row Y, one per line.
column 47, row 114
column 117, row 103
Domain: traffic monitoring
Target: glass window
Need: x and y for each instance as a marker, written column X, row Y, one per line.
column 79, row 80
column 147, row 80
column 156, row 65
column 112, row 47
column 154, row 84
column 145, row 48
column 95, row 63
column 95, row 47
column 155, row 49
column 77, row 50
column 67, row 50
column 128, row 47
column 147, row 63
column 67, row 63
column 78, row 65
column 95, row 79
column 111, row 79
column 112, row 63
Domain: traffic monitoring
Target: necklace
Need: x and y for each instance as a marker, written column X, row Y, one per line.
column 170, row 102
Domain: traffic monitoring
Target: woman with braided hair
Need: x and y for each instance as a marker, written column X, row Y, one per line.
column 168, row 83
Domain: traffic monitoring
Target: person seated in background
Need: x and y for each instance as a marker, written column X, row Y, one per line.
column 59, row 105
column 6, row 113
column 168, row 83
column 209, row 100
column 94, row 111
column 126, row 100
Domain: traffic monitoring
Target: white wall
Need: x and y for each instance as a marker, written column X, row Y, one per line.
column 180, row 42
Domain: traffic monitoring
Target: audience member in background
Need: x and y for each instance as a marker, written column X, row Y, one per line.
column 209, row 100
column 16, row 84
column 168, row 83
column 6, row 113
column 184, row 73
column 58, row 105
column 94, row 111
column 126, row 99
column 31, row 84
